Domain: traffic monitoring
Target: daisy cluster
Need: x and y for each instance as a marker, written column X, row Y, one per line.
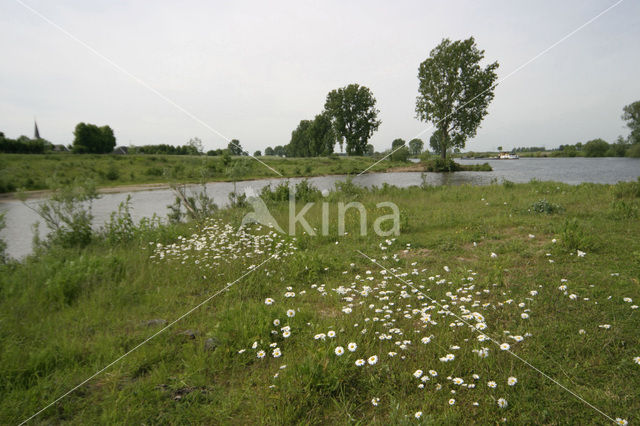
column 435, row 319
column 219, row 243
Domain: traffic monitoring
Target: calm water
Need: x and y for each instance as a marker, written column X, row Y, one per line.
column 18, row 234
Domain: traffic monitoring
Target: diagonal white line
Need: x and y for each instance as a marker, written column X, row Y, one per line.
column 500, row 80
column 148, row 339
column 140, row 81
column 490, row 338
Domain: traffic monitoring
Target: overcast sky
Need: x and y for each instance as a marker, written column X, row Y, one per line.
column 253, row 69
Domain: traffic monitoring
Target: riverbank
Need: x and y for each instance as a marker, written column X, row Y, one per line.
column 558, row 284
column 35, row 172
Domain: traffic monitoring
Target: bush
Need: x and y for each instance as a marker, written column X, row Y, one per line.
column 543, row 206
column 439, row 165
column 304, row 191
column 112, row 174
column 573, row 237
column 67, row 214
column 634, row 151
column 120, row 227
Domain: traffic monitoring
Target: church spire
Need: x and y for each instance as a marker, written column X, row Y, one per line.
column 36, row 133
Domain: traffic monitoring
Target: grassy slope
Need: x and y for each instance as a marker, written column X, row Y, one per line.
column 68, row 314
column 31, row 172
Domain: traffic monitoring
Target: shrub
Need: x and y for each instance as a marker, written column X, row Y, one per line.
column 543, row 206
column 573, row 237
column 120, row 227
column 198, row 205
column 67, row 213
column 439, row 165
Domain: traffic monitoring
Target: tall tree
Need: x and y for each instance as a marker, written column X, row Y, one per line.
column 354, row 116
column 397, row 143
column 235, row 148
column 312, row 138
column 322, row 138
column 631, row 114
column 455, row 91
column 299, row 144
column 416, row 146
column 89, row 138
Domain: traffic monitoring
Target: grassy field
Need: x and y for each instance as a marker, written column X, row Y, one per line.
column 551, row 269
column 34, row 172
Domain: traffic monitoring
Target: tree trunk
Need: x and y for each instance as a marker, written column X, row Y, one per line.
column 443, row 144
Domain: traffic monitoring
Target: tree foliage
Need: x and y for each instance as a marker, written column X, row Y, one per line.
column 89, row 138
column 235, row 148
column 631, row 114
column 353, row 114
column 416, row 146
column 596, row 148
column 454, row 91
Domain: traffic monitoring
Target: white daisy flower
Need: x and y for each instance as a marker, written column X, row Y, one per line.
column 511, row 381
column 339, row 350
column 502, row 403
column 352, row 347
column 373, row 360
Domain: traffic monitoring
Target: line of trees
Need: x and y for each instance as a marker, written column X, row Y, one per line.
column 350, row 118
column 628, row 146
column 24, row 145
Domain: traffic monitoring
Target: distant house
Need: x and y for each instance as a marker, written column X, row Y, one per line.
column 120, row 150
column 60, row 148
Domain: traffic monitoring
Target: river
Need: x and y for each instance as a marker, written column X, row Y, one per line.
column 20, row 219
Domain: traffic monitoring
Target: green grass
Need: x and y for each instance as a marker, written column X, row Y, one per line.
column 33, row 172
column 68, row 313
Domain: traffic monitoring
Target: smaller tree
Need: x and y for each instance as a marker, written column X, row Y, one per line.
column 416, row 146
column 279, row 151
column 268, row 151
column 399, row 150
column 257, row 153
column 397, row 143
column 89, row 138
column 354, row 116
column 196, row 146
column 631, row 114
column 235, row 148
column 596, row 148
column 370, row 150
